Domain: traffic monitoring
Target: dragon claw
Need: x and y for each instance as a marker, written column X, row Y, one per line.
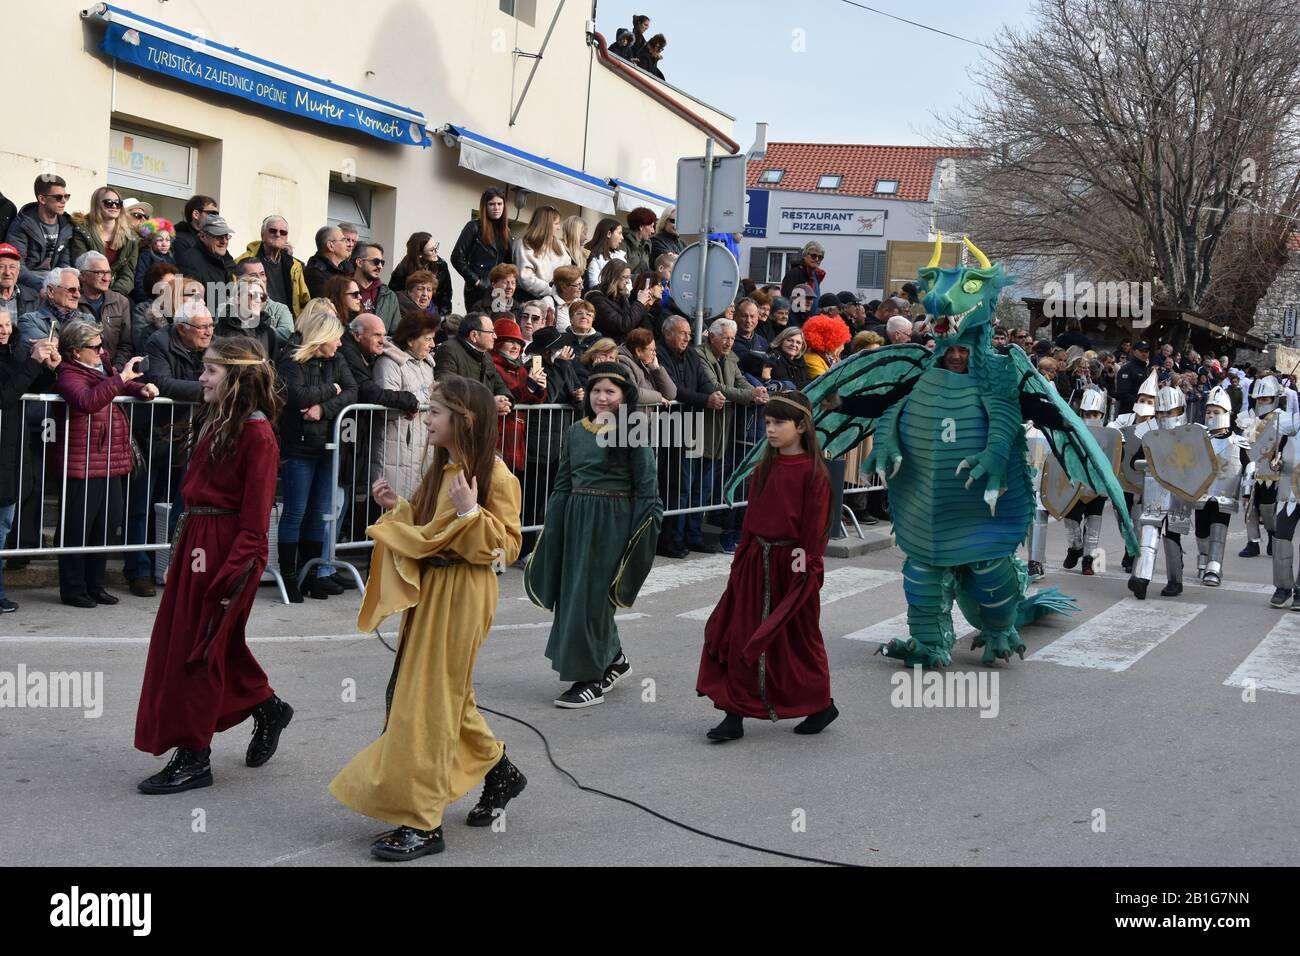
column 960, row 468
column 898, row 463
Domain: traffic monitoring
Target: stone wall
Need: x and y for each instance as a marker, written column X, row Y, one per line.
column 1271, row 310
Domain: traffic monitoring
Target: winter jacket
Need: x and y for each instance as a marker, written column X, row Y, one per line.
column 299, row 294
column 115, row 323
column 536, row 270
column 280, row 318
column 554, row 302
column 457, row 357
column 173, row 368
column 637, row 253
column 651, row 387
column 523, row 391
column 797, row 275
column 37, row 324
column 662, row 242
column 387, row 308
column 263, row 332
column 724, row 370
column 441, row 295
column 400, row 456
column 369, row 391
column 694, row 385
column 27, row 234
column 755, row 343
column 815, row 363
column 791, row 373
column 198, row 263
column 312, row 383
column 146, row 261
column 1130, row 378
column 8, row 213
column 616, row 316
column 186, row 238
column 96, row 432
column 18, row 373
column 85, row 238
column 473, row 259
column 579, row 346
column 596, row 265
column 320, row 270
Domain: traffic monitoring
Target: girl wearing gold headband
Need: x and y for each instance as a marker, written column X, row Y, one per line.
column 201, row 677
column 763, row 652
column 599, row 540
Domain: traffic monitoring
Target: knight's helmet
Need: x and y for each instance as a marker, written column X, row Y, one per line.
column 1218, row 410
column 1144, row 406
column 1093, row 400
column 1171, row 400
column 1264, row 392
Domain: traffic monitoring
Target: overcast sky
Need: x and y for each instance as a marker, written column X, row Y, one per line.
column 861, row 78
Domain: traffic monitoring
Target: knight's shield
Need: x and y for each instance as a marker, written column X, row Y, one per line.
column 1264, row 438
column 1111, row 443
column 1129, row 476
column 1058, row 492
column 1182, row 460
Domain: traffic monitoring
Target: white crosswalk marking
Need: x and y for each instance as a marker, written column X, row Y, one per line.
column 1119, row 636
column 665, row 577
column 896, row 627
column 838, row 584
column 1275, row 663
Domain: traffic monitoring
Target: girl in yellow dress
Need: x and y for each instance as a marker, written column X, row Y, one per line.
column 436, row 559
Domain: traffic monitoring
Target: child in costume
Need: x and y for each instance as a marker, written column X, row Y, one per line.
column 156, row 237
column 1083, row 523
column 436, row 559
column 763, row 652
column 200, row 677
column 599, row 540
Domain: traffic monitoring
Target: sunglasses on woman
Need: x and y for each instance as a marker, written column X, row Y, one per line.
column 111, row 203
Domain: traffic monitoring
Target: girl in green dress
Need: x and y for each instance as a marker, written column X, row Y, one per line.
column 599, row 539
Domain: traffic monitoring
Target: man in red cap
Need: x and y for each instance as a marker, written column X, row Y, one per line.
column 14, row 300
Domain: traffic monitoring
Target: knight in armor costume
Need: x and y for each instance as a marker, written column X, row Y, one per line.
column 1164, row 515
column 1144, row 411
column 1265, row 396
column 1286, row 514
column 1222, row 500
column 1037, row 451
column 1083, row 523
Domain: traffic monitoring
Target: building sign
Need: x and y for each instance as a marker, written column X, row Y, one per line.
column 756, row 213
column 833, row 222
column 146, row 157
column 1288, row 322
column 214, row 67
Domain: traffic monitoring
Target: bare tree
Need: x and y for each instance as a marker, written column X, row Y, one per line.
column 1140, row 141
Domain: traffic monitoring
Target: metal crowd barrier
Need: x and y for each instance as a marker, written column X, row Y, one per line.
column 693, row 465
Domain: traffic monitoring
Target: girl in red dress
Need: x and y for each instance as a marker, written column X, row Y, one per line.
column 763, row 652
column 200, row 677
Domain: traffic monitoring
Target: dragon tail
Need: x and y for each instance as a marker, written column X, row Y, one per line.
column 1042, row 603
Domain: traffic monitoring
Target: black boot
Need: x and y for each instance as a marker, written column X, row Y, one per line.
column 1072, row 556
column 269, row 718
column 289, row 570
column 502, row 784
column 313, row 585
column 731, row 728
column 408, row 843
column 187, row 770
column 816, row 723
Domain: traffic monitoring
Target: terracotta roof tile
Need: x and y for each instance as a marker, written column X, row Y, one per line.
column 861, row 167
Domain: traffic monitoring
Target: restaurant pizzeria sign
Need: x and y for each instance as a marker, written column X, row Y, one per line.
column 804, row 220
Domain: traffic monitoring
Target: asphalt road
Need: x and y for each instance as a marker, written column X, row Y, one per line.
column 1122, row 739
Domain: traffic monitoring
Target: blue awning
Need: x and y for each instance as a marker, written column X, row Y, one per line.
column 155, row 46
column 498, row 160
column 628, row 197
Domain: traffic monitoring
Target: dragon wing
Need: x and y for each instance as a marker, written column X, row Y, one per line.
column 1070, row 440
column 868, row 383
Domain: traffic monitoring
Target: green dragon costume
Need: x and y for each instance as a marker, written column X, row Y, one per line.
column 953, row 447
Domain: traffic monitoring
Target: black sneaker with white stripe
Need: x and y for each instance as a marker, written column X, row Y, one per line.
column 615, row 672
column 582, row 694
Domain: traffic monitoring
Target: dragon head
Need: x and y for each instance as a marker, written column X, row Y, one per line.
column 961, row 299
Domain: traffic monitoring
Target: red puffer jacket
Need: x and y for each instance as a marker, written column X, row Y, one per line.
column 514, row 438
column 99, row 435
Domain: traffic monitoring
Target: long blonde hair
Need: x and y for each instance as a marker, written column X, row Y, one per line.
column 572, row 230
column 121, row 231
column 540, row 235
column 318, row 324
